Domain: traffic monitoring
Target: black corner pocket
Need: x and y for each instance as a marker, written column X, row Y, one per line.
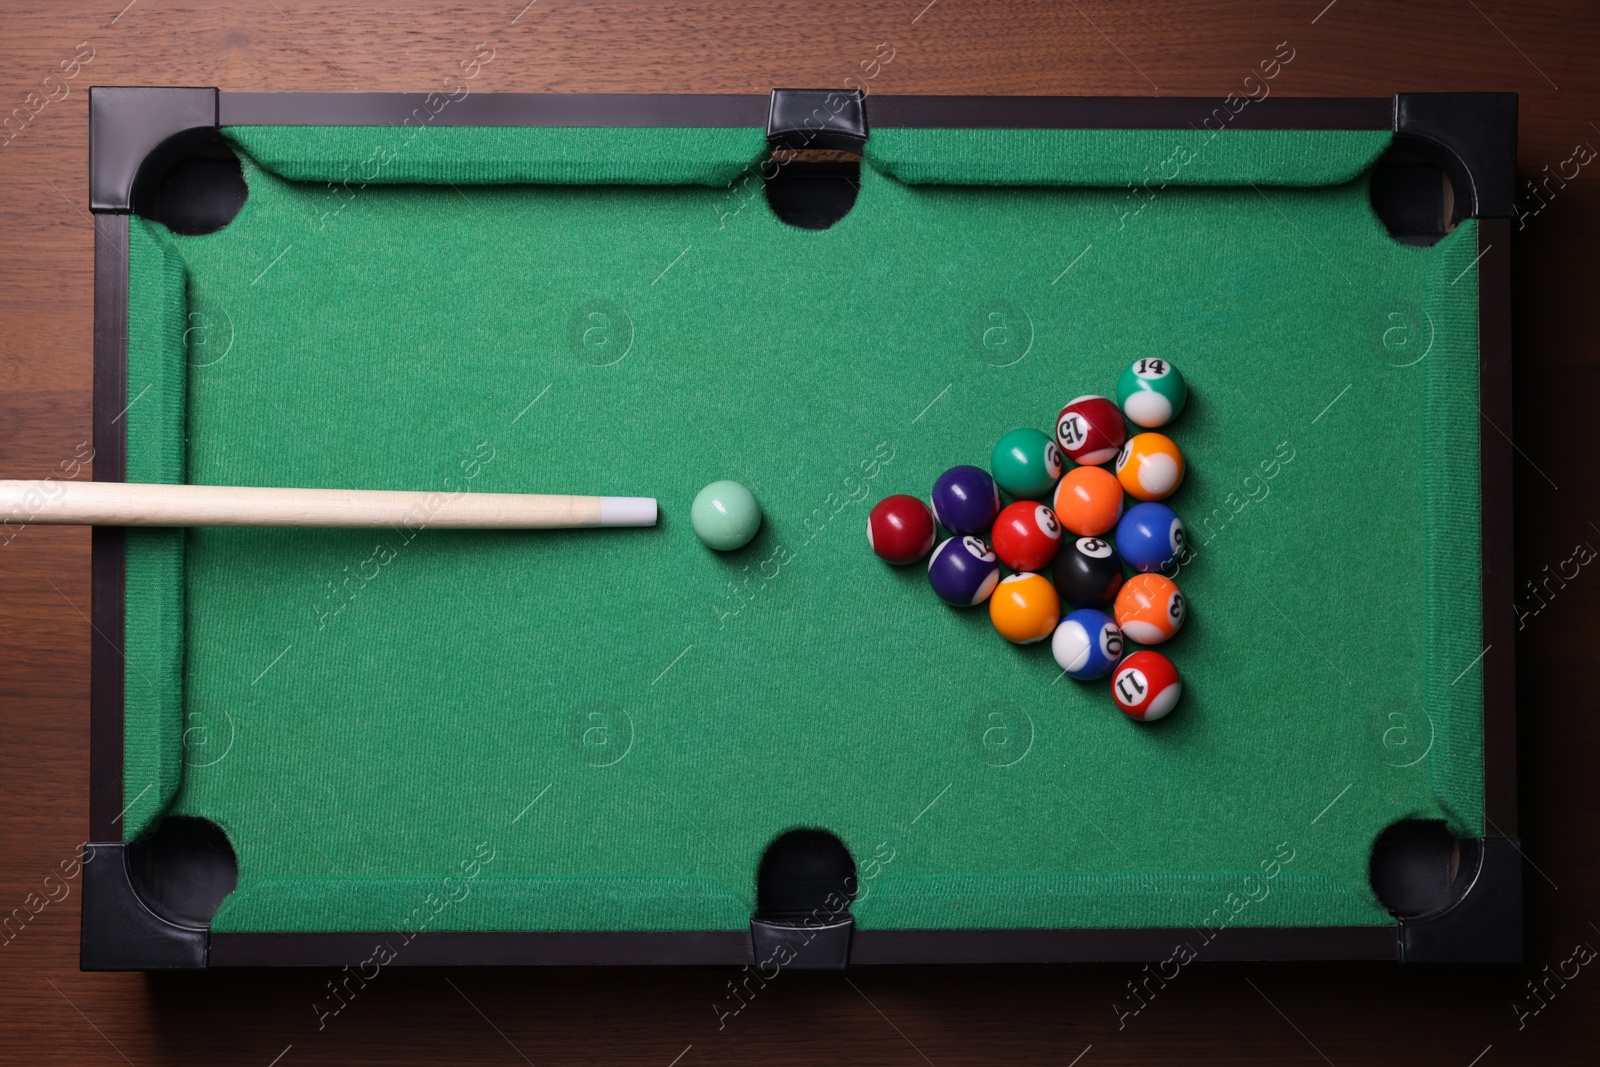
column 1413, row 195
column 184, row 869
column 806, row 877
column 812, row 188
column 1416, row 867
column 191, row 183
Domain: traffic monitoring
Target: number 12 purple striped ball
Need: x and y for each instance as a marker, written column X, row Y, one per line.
column 963, row 571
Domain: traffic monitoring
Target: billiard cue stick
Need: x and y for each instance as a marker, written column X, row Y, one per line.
column 74, row 503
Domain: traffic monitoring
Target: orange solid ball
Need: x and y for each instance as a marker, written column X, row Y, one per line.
column 1025, row 608
column 1149, row 609
column 1089, row 501
column 1150, row 467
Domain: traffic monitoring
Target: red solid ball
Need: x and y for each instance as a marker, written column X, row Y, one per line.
column 900, row 529
column 1090, row 430
column 1146, row 686
column 1026, row 536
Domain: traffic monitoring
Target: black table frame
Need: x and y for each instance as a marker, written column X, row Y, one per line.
column 1472, row 136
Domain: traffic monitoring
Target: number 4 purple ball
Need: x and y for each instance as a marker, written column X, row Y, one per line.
column 966, row 500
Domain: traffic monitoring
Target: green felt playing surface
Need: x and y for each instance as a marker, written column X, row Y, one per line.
column 623, row 720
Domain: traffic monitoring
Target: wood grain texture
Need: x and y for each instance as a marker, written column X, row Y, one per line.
column 63, row 502
column 52, row 1013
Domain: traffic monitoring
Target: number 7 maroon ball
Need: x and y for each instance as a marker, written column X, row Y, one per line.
column 900, row 529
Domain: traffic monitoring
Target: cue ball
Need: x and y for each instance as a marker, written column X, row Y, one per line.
column 1025, row 608
column 1150, row 536
column 965, row 500
column 1026, row 536
column 1088, row 572
column 1146, row 686
column 963, row 571
column 725, row 516
column 1150, row 467
column 1150, row 609
column 1087, row 644
column 900, row 529
column 1089, row 430
column 1151, row 392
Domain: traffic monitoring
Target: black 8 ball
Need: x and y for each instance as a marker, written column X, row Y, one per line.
column 1088, row 572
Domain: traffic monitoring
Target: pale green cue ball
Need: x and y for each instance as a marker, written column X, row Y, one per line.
column 725, row 516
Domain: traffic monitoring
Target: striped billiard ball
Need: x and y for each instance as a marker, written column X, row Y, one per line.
column 1150, row 609
column 1146, row 686
column 1089, row 430
column 1150, row 467
column 1087, row 644
column 963, row 571
column 1151, row 392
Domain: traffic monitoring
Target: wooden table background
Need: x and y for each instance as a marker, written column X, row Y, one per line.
column 1301, row 1014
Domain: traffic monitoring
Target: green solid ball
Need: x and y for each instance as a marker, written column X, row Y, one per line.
column 1026, row 463
column 725, row 516
column 1151, row 392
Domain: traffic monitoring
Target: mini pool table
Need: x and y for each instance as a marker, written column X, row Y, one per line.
column 449, row 747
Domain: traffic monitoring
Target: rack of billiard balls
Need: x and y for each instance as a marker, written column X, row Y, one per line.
column 1084, row 537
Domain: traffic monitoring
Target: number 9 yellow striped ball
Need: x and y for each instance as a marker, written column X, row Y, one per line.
column 1150, row 467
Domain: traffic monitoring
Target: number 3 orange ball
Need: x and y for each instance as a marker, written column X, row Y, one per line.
column 1150, row 467
column 1088, row 501
column 1025, row 608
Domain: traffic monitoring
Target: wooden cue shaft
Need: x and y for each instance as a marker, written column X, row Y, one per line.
column 74, row 503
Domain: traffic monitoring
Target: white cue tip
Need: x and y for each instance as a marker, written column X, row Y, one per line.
column 627, row 511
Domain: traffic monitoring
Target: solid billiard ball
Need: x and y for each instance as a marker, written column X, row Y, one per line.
column 966, row 500
column 1150, row 466
column 1026, row 536
column 1150, row 609
column 1146, row 686
column 1089, row 430
column 1025, row 608
column 963, row 571
column 900, row 529
column 1089, row 501
column 1151, row 392
column 1087, row 644
column 1088, row 572
column 1026, row 463
column 1150, row 536
column 725, row 516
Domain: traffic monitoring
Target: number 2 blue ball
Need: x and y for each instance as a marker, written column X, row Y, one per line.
column 1150, row 536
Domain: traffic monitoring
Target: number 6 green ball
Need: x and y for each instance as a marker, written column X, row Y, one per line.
column 1026, row 463
column 1151, row 392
